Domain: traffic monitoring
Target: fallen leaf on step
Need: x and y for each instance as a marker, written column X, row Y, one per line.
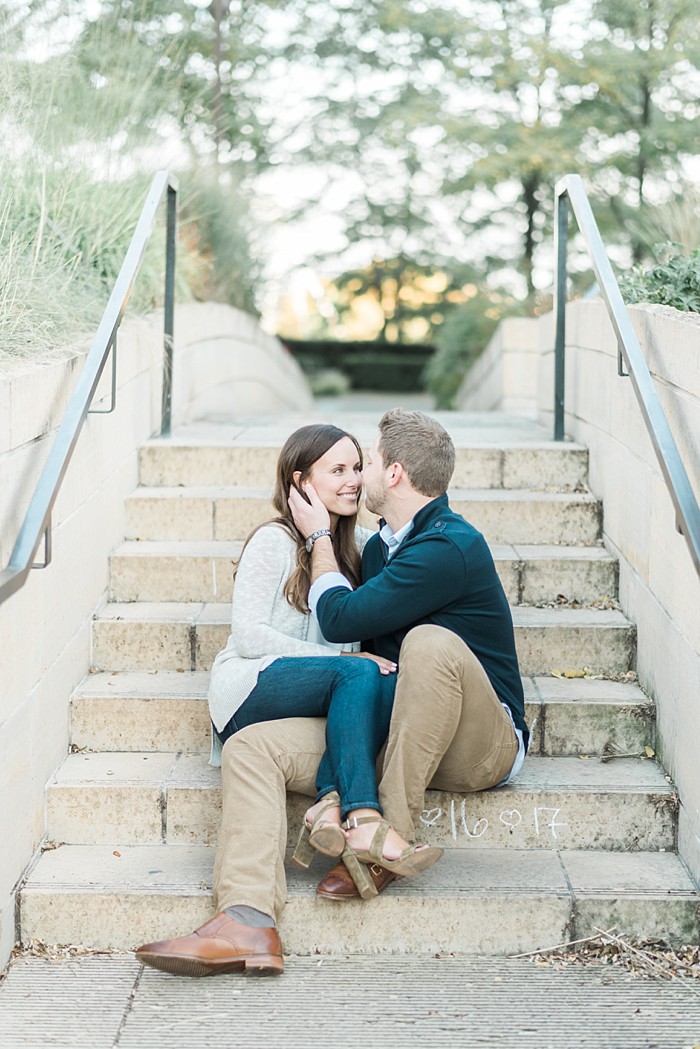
column 583, row 757
column 583, row 672
column 649, row 752
column 117, row 854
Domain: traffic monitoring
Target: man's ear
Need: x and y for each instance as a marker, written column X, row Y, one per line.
column 394, row 474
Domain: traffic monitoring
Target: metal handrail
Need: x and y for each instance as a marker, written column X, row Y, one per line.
column 569, row 190
column 37, row 520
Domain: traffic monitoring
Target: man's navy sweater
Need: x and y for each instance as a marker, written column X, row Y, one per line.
column 442, row 573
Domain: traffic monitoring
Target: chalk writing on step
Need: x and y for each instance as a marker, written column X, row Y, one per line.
column 542, row 819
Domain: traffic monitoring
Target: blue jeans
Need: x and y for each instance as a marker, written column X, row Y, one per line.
column 356, row 700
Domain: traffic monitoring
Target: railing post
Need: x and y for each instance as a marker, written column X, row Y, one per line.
column 169, row 309
column 561, row 220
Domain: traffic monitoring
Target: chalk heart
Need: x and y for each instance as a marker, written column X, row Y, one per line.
column 430, row 816
column 511, row 818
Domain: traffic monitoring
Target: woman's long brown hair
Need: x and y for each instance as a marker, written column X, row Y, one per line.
column 301, row 450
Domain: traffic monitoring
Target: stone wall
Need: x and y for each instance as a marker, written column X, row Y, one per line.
column 226, row 366
column 659, row 587
column 45, row 627
column 504, row 376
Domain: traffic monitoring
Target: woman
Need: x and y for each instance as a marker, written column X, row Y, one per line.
column 277, row 663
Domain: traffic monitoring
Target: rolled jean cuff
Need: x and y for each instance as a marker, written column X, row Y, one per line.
column 359, row 805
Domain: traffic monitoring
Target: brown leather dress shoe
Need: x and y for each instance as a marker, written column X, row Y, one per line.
column 338, row 885
column 221, row 945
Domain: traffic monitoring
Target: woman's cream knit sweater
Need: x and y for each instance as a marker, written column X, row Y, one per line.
column 264, row 626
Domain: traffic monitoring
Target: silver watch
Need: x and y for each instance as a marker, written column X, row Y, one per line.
column 316, row 535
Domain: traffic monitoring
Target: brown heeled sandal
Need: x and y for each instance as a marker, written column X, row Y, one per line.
column 413, row 860
column 327, row 838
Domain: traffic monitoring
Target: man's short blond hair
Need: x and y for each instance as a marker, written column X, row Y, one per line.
column 422, row 446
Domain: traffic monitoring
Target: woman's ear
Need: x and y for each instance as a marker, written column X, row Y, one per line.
column 296, row 481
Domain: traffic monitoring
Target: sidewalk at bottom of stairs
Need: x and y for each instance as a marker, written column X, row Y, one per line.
column 111, row 1002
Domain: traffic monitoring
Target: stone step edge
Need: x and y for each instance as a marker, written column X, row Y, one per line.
column 554, row 802
column 245, row 492
column 194, row 684
column 225, row 548
column 167, row 711
column 275, row 444
column 177, row 771
column 550, row 903
column 212, row 613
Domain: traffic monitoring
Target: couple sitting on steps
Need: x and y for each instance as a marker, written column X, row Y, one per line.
column 296, row 707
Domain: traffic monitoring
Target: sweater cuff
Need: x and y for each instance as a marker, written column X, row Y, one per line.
column 328, row 581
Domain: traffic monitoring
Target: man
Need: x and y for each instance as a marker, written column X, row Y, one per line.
column 432, row 602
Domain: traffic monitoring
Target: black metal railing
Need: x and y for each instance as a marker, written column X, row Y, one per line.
column 570, row 191
column 37, row 520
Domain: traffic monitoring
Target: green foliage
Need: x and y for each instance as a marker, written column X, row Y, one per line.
column 64, row 229
column 84, row 132
column 63, row 239
column 412, row 298
column 215, row 226
column 440, row 128
column 461, row 339
column 675, row 281
column 367, row 365
column 676, row 220
column 639, row 104
column 329, row 383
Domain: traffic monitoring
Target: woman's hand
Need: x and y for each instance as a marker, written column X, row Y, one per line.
column 385, row 665
column 311, row 516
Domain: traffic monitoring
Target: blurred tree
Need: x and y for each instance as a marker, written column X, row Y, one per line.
column 206, row 62
column 400, row 299
column 439, row 129
column 514, row 129
column 642, row 110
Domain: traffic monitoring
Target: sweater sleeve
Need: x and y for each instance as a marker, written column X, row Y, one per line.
column 258, row 590
column 362, row 536
column 414, row 584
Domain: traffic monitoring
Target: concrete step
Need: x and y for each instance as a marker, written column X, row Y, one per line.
column 173, row 636
column 251, row 461
column 202, row 571
column 103, row 1000
column 485, row 901
column 165, row 711
column 203, row 513
column 573, row 803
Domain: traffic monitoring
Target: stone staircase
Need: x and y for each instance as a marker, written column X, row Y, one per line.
column 575, row 844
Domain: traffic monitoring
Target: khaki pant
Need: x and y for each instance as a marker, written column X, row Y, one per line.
column 448, row 731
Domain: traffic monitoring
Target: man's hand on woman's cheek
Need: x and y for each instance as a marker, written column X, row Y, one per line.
column 308, row 517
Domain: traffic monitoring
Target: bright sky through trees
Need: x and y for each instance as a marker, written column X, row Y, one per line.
column 427, row 135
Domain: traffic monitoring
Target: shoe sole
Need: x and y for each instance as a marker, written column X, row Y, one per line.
column 330, row 841
column 418, row 862
column 179, row 965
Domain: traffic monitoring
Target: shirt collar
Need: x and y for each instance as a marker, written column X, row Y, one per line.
column 393, row 540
